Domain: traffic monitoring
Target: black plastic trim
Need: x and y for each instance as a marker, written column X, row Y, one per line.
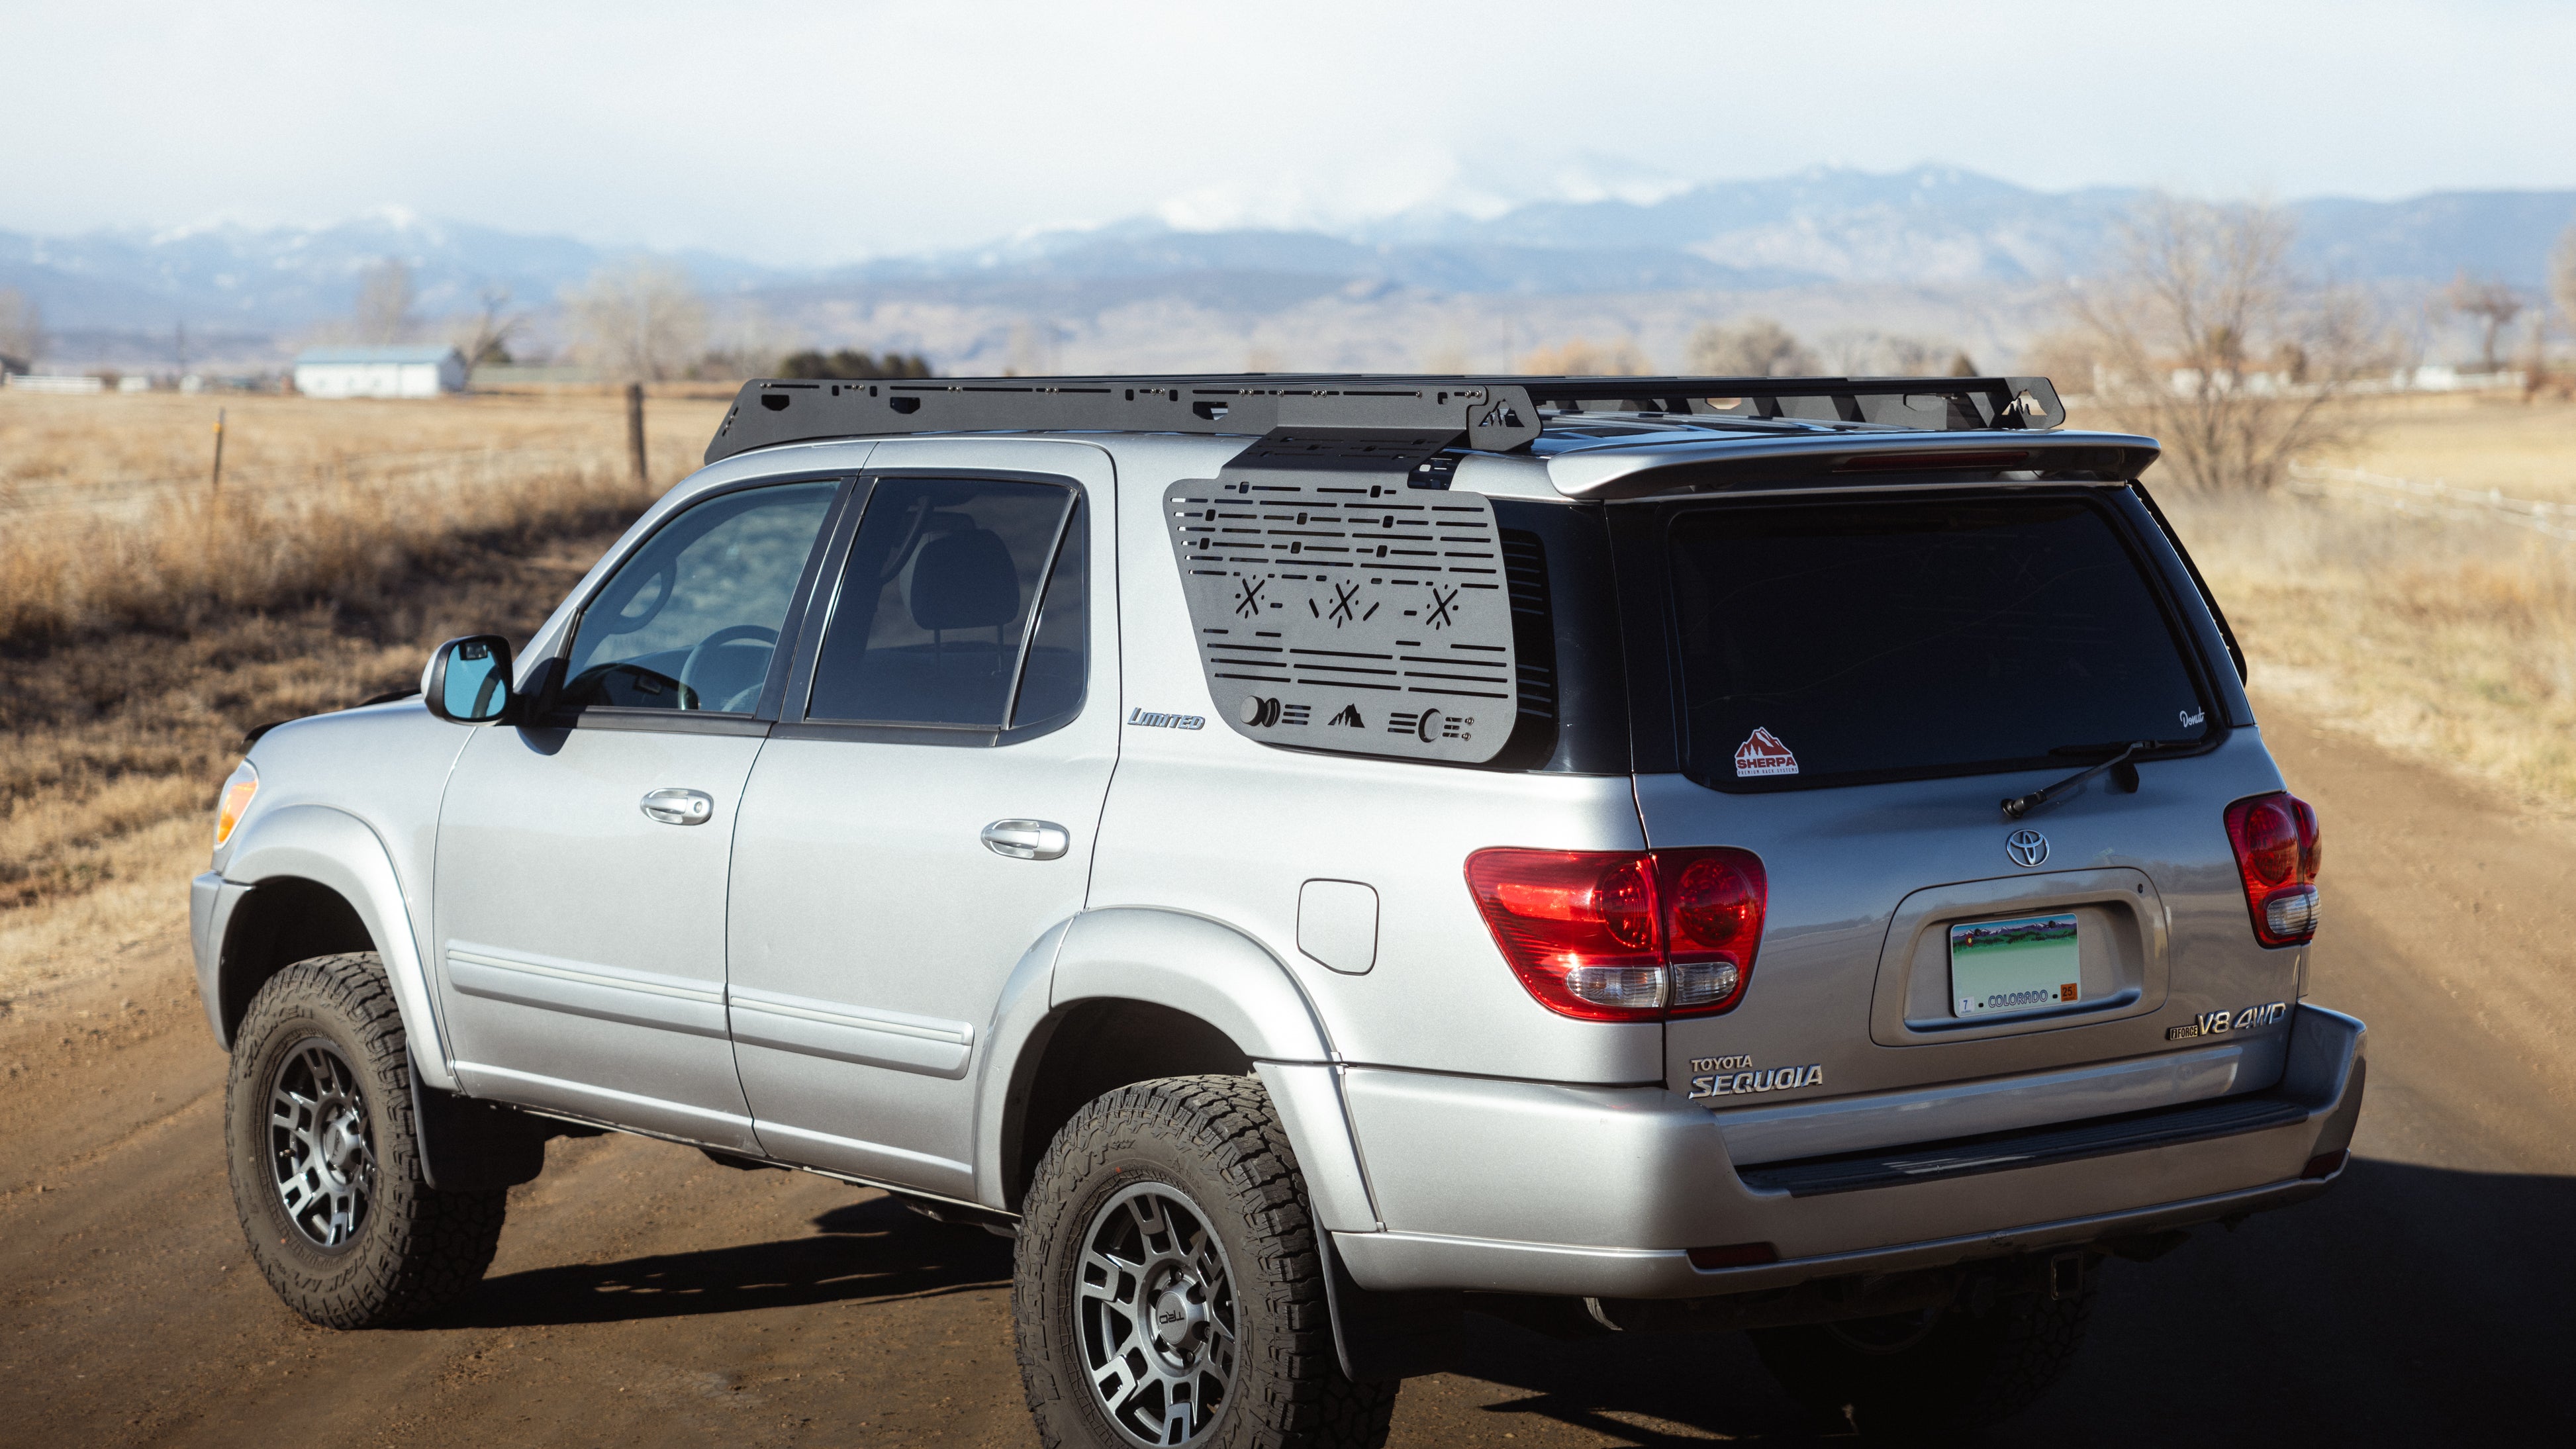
column 2032, row 1147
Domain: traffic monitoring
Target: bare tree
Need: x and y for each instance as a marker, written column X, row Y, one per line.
column 1864, row 353
column 2562, row 275
column 2491, row 303
column 1754, row 347
column 383, row 314
column 22, row 326
column 638, row 321
column 1583, row 357
column 484, row 335
column 2203, row 333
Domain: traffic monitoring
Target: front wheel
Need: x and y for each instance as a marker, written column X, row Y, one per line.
column 1935, row 1373
column 325, row 1167
column 1169, row 1288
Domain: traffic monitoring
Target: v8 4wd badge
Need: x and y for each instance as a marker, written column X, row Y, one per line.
column 2215, row 1023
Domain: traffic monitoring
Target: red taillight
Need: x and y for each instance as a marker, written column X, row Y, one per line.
column 1624, row 935
column 2275, row 837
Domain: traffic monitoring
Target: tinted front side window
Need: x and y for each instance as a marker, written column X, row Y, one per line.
column 1837, row 642
column 691, row 621
column 932, row 611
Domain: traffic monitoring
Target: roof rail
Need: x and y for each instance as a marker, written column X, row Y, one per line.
column 1487, row 413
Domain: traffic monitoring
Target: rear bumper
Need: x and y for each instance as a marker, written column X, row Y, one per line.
column 1600, row 1192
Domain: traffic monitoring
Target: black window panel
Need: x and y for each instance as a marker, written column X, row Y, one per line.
column 942, row 578
column 1051, row 682
column 690, row 621
column 1881, row 639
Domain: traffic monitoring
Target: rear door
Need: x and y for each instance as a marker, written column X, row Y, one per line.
column 924, row 812
column 1854, row 683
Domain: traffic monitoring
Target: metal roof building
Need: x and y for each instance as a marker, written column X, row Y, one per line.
column 379, row 371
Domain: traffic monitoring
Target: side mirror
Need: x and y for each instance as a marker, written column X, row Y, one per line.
column 468, row 680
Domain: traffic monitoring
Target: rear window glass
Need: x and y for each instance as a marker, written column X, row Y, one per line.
column 1835, row 643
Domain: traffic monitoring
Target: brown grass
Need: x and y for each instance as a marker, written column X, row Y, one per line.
column 117, row 744
column 2449, row 638
column 319, row 499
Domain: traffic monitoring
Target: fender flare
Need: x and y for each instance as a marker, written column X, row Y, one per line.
column 1196, row 965
column 339, row 851
column 1203, row 968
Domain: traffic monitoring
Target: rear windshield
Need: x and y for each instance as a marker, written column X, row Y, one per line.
column 1840, row 642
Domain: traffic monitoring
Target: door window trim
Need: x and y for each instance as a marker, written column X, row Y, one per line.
column 548, row 713
column 793, row 721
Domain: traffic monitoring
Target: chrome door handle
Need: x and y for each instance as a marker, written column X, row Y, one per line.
column 1027, row 839
column 680, row 807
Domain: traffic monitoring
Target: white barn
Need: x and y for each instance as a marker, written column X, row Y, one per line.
column 379, row 371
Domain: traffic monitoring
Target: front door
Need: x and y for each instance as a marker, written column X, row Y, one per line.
column 925, row 810
column 580, row 891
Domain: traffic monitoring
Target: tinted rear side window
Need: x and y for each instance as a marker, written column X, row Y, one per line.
column 1835, row 643
column 941, row 583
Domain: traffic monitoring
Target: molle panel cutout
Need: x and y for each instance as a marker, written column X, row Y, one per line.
column 1344, row 610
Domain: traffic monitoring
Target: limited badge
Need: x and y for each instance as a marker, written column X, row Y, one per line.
column 1763, row 754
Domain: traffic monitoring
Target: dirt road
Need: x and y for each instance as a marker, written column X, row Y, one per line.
column 645, row 1295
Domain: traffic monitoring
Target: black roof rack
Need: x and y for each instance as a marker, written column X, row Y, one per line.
column 1490, row 413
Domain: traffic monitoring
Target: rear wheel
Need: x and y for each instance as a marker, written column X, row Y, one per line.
column 1170, row 1289
column 325, row 1167
column 1937, row 1372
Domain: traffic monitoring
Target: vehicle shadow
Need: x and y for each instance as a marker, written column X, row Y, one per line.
column 875, row 1249
column 2410, row 1305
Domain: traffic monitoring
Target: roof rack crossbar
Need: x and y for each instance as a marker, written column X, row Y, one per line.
column 1496, row 413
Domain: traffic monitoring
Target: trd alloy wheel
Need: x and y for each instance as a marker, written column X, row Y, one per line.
column 1154, row 1308
column 321, row 1155
column 1169, row 1288
column 326, row 1169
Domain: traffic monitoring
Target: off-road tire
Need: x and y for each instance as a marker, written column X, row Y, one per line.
column 1217, row 1142
column 1981, row 1362
column 416, row 1249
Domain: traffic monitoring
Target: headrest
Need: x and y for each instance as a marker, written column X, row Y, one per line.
column 964, row 581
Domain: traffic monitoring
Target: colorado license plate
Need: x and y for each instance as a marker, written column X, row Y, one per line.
column 2019, row 965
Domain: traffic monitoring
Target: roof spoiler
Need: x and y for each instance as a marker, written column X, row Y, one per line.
column 1741, row 463
column 1487, row 413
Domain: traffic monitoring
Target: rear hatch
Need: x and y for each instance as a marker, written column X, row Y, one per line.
column 1856, row 680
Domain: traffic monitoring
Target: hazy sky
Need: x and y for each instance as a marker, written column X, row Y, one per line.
column 799, row 132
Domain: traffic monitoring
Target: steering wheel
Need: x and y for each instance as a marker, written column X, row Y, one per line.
column 730, row 634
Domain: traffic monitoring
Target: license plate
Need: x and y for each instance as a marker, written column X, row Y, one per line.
column 2019, row 965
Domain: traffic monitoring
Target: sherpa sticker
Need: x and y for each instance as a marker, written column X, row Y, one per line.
column 1763, row 754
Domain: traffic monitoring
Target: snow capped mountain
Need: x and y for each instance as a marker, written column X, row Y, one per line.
column 1933, row 227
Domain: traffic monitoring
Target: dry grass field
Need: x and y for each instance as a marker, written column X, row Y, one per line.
column 109, row 516
column 2450, row 634
column 147, row 621
column 139, row 637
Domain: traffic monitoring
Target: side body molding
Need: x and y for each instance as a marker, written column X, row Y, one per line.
column 335, row 849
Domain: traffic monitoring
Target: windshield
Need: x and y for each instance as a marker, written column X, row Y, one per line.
column 1838, row 642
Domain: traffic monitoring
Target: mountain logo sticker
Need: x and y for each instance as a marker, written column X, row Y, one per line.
column 1350, row 717
column 1763, row 754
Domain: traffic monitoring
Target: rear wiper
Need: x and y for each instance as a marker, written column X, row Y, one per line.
column 2124, row 777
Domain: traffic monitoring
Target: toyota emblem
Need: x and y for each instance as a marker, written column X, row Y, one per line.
column 2026, row 847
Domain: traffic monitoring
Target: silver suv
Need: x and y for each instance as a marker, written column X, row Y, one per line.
column 1313, row 856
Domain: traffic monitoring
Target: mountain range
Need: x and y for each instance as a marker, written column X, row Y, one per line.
column 1940, row 236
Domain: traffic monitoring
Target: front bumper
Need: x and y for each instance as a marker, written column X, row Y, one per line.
column 1517, row 1187
column 211, row 899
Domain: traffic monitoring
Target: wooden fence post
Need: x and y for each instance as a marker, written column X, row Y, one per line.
column 218, row 484
column 635, row 429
